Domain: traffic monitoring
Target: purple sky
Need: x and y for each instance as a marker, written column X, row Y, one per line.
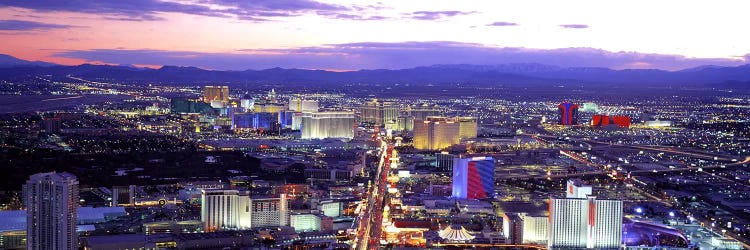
column 346, row 35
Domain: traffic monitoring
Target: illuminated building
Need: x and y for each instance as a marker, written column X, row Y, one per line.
column 568, row 113
column 310, row 222
column 438, row 133
column 576, row 189
column 379, row 113
column 578, row 222
column 296, row 121
column 247, row 102
column 467, row 127
column 455, row 234
column 243, row 120
column 286, row 118
column 405, row 123
column 51, row 201
column 265, row 120
column 605, row 120
column 300, row 105
column 590, row 107
column 233, row 209
column 268, row 107
column 444, row 161
column 331, row 208
column 513, row 228
column 320, row 125
column 535, row 228
column 224, row 209
column 216, row 93
column 123, row 195
column 269, row 104
column 473, row 178
column 185, row 106
column 269, row 211
column 421, row 112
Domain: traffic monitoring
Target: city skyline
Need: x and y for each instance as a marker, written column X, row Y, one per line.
column 343, row 125
column 336, row 35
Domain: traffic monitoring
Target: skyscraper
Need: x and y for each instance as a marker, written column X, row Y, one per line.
column 467, row 127
column 421, row 112
column 216, row 93
column 444, row 161
column 224, row 209
column 439, row 132
column 232, row 209
column 568, row 113
column 52, row 211
column 379, row 113
column 582, row 221
column 473, row 178
column 320, row 125
column 299, row 105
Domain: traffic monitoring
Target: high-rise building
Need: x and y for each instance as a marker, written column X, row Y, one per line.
column 269, row 211
column 379, row 113
column 224, row 209
column 405, row 123
column 438, row 132
column 467, row 127
column 216, row 93
column 299, row 105
column 513, row 226
column 473, row 178
column 320, row 125
column 582, row 221
column 535, row 228
column 568, row 113
column 444, row 161
column 421, row 112
column 232, row 209
column 123, row 195
column 51, row 201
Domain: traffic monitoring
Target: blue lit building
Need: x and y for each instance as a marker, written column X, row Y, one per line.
column 473, row 178
column 265, row 120
column 568, row 113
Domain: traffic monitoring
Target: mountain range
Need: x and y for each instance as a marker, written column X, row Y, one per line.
column 522, row 73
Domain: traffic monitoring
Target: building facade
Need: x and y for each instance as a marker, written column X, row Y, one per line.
column 473, row 178
column 223, row 209
column 299, row 105
column 379, row 113
column 216, row 93
column 582, row 221
column 568, row 113
column 51, row 201
column 437, row 133
column 321, row 125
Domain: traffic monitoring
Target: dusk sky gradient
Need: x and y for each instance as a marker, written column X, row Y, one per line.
column 350, row 35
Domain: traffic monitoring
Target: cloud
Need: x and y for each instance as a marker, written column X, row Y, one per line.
column 148, row 10
column 502, row 24
column 29, row 25
column 574, row 26
column 375, row 55
column 435, row 15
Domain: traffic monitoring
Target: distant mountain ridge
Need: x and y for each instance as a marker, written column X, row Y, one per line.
column 517, row 73
column 10, row 61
